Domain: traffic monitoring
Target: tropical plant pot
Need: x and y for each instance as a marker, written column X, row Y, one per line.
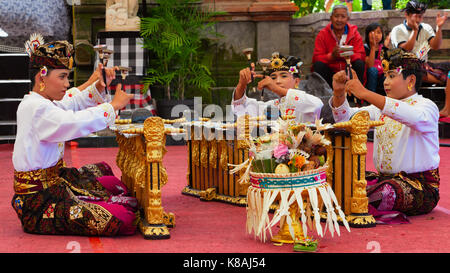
column 164, row 107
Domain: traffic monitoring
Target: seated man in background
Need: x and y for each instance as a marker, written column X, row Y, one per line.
column 326, row 59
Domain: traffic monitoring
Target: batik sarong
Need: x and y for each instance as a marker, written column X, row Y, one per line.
column 394, row 196
column 89, row 201
column 438, row 70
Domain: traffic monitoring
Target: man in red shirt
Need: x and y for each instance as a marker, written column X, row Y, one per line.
column 326, row 60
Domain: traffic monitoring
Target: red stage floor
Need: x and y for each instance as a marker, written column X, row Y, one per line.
column 212, row 227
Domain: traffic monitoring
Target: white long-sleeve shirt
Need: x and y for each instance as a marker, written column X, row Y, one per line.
column 43, row 125
column 304, row 106
column 409, row 139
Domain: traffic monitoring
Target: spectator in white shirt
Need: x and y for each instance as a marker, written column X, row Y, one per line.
column 417, row 37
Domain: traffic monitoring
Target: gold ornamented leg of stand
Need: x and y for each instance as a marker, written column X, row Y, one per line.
column 169, row 219
column 358, row 126
column 283, row 235
column 360, row 217
column 153, row 225
column 154, row 232
column 208, row 194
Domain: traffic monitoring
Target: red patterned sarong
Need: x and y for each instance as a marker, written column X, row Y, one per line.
column 393, row 196
column 89, row 201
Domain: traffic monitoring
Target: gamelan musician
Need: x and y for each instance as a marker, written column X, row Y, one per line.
column 49, row 197
column 283, row 79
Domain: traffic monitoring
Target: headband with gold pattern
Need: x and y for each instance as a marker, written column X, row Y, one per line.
column 52, row 55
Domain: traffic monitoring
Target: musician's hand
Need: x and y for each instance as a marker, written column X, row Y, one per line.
column 339, row 80
column 270, row 84
column 121, row 98
column 95, row 76
column 354, row 86
column 245, row 75
column 110, row 76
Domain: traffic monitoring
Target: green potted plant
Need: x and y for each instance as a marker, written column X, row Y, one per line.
column 174, row 34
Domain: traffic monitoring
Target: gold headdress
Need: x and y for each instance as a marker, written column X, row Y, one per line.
column 399, row 59
column 289, row 63
column 52, row 55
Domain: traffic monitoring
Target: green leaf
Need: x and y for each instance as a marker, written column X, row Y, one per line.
column 174, row 34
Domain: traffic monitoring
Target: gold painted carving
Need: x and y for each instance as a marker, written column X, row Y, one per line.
column 140, row 159
column 235, row 200
column 358, row 127
column 155, row 138
column 204, row 153
column 223, row 155
column 208, row 194
column 213, row 153
column 361, row 220
column 330, row 154
column 195, row 152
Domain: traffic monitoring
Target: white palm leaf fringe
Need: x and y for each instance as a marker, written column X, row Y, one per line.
column 309, row 214
column 253, row 211
column 245, row 177
column 251, row 206
column 338, row 208
column 331, row 215
column 260, row 215
column 259, row 212
column 260, row 200
column 298, row 198
column 315, row 206
column 269, row 198
column 266, row 207
column 282, row 214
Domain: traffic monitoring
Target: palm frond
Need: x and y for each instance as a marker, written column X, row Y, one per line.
column 175, row 35
column 149, row 26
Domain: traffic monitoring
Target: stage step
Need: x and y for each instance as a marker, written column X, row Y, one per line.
column 8, row 108
column 7, row 139
column 434, row 93
column 13, row 66
column 14, row 88
column 14, row 84
column 8, row 127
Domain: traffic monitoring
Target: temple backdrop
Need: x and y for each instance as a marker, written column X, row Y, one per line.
column 264, row 25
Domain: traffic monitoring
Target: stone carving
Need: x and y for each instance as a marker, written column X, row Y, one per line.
column 121, row 15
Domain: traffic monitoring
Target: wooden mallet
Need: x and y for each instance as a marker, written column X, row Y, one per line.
column 264, row 63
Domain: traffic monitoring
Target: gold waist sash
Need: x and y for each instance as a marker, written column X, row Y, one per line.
column 30, row 182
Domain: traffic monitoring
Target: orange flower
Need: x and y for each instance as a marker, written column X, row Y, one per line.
column 299, row 161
